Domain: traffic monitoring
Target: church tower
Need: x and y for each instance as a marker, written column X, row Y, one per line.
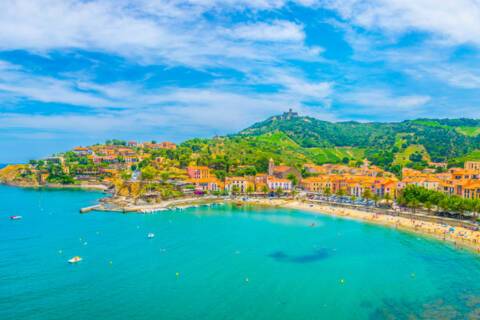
column 271, row 167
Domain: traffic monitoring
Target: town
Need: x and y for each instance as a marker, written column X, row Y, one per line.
column 151, row 172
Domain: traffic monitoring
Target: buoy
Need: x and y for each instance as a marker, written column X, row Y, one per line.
column 60, row 251
column 413, row 275
column 247, row 280
column 110, row 262
column 342, row 281
column 177, row 274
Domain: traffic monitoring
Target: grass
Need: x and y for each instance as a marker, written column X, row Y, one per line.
column 431, row 123
column 403, row 157
column 472, row 156
column 468, row 131
column 335, row 155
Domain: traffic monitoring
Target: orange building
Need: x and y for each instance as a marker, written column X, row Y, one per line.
column 198, row 172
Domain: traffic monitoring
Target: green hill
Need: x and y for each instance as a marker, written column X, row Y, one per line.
column 390, row 145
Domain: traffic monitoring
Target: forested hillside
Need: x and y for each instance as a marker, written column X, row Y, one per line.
column 411, row 143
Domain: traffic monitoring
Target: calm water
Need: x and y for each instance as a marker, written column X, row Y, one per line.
column 232, row 263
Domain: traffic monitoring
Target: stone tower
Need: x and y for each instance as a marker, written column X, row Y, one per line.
column 271, row 167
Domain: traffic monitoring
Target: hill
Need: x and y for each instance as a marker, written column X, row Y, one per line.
column 407, row 143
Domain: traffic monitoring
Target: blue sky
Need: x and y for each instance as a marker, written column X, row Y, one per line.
column 76, row 72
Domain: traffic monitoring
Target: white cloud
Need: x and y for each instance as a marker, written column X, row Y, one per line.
column 159, row 32
column 276, row 31
column 453, row 21
column 381, row 99
column 454, row 75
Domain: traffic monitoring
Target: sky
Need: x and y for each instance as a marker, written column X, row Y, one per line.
column 78, row 72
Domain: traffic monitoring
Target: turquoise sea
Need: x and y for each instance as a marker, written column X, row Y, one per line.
column 220, row 263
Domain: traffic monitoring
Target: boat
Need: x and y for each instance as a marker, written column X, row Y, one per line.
column 16, row 217
column 150, row 235
column 75, row 259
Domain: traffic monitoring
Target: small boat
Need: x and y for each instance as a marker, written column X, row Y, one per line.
column 150, row 235
column 16, row 217
column 75, row 259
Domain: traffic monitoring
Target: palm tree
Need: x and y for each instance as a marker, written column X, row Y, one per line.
column 367, row 194
column 235, row 190
column 414, row 204
column 387, row 197
column 279, row 192
column 250, row 190
column 428, row 205
column 265, row 190
column 327, row 191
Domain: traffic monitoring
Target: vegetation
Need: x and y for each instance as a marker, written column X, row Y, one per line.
column 388, row 145
column 415, row 197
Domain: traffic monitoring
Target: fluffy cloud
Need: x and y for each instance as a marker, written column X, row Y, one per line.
column 276, row 31
column 377, row 98
column 162, row 32
column 453, row 21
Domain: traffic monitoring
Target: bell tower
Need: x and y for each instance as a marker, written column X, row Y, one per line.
column 271, row 167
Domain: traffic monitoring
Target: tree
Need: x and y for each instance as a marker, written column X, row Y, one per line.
column 250, row 189
column 265, row 189
column 327, row 192
column 148, row 173
column 428, row 205
column 279, row 192
column 235, row 190
column 293, row 178
column 367, row 194
column 413, row 204
column 387, row 197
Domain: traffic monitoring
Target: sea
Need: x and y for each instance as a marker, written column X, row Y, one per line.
column 220, row 262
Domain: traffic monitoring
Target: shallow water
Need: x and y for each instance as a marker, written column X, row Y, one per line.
column 220, row 263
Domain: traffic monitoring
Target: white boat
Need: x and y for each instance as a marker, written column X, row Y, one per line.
column 16, row 217
column 150, row 235
column 75, row 259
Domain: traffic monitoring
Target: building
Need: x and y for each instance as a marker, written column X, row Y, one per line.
column 241, row 184
column 275, row 183
column 207, row 184
column 198, row 172
column 282, row 171
column 472, row 166
column 168, row 145
column 82, row 151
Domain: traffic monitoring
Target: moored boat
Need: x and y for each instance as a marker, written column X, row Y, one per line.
column 75, row 259
column 16, row 217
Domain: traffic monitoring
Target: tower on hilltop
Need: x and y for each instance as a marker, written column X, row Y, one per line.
column 289, row 115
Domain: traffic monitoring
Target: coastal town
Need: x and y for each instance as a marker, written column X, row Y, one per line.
column 151, row 172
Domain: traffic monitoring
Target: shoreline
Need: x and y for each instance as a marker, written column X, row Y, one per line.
column 459, row 236
column 456, row 235
column 90, row 187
